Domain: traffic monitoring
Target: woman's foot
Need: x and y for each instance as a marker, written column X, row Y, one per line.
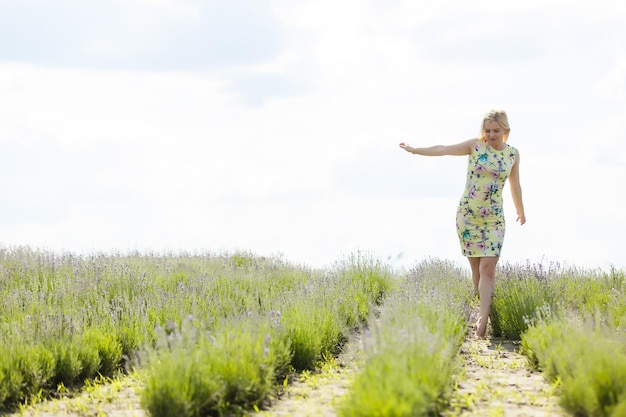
column 481, row 328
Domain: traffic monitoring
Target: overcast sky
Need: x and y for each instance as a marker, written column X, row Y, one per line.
column 273, row 126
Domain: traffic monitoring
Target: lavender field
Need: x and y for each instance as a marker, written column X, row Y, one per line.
column 224, row 334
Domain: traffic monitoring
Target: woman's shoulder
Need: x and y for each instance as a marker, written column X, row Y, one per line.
column 511, row 152
column 512, row 149
column 476, row 145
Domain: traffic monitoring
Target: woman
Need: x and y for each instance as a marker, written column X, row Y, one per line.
column 480, row 219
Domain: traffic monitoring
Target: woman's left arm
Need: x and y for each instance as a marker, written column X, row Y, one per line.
column 516, row 190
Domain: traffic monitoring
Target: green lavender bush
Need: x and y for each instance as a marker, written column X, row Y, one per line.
column 570, row 321
column 201, row 373
column 586, row 358
column 522, row 290
column 82, row 317
column 306, row 326
column 217, row 333
column 412, row 354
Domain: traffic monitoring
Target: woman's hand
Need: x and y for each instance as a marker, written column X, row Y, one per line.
column 406, row 147
column 521, row 218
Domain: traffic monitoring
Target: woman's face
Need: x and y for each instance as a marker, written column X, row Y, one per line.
column 494, row 134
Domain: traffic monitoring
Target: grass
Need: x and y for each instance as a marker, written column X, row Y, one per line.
column 569, row 321
column 586, row 358
column 211, row 373
column 409, row 364
column 218, row 334
column 525, row 290
column 217, row 331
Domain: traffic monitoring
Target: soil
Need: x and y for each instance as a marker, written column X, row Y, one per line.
column 118, row 399
column 496, row 381
column 318, row 394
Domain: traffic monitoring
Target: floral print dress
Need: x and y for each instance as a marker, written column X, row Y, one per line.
column 480, row 219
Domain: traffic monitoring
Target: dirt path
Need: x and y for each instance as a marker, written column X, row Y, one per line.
column 497, row 382
column 317, row 395
column 114, row 398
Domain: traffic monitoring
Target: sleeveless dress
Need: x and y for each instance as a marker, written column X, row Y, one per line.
column 480, row 219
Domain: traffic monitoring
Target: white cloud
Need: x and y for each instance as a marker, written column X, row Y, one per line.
column 295, row 150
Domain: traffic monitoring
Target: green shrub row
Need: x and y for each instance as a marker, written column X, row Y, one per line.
column 65, row 318
column 237, row 366
column 411, row 355
column 586, row 358
column 230, row 370
column 524, row 289
column 569, row 321
column 28, row 371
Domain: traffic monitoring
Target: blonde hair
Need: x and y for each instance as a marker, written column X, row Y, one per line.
column 495, row 116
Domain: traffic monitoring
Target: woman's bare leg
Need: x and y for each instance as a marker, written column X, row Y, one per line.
column 486, row 286
column 475, row 265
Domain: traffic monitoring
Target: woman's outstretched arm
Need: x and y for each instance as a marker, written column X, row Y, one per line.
column 463, row 148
